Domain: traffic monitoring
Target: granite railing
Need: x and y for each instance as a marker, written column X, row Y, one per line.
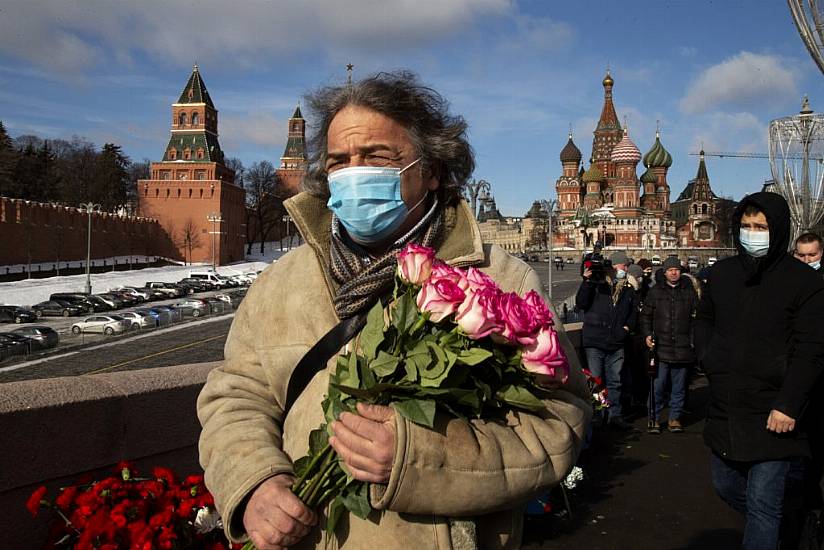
column 55, row 430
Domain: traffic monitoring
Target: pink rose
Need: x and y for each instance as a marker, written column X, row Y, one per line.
column 543, row 316
column 519, row 319
column 478, row 315
column 440, row 270
column 546, row 356
column 478, row 279
column 440, row 298
column 415, row 263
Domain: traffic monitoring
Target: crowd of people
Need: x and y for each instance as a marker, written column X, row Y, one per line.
column 754, row 325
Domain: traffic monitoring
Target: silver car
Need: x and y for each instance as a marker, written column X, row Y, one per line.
column 105, row 324
column 139, row 320
column 195, row 308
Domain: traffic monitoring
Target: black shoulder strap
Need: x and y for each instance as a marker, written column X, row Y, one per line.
column 315, row 359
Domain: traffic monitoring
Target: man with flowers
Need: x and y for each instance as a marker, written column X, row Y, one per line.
column 388, row 167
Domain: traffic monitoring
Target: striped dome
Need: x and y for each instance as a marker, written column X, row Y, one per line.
column 593, row 174
column 657, row 156
column 626, row 151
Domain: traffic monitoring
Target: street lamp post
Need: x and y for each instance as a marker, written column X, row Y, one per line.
column 215, row 218
column 89, row 208
column 287, row 219
column 550, row 206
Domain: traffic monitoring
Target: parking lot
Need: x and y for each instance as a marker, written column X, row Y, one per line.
column 82, row 330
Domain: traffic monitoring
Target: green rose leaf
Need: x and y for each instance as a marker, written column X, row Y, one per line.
column 352, row 375
column 419, row 411
column 318, row 440
column 301, row 464
column 384, row 364
column 372, row 335
column 356, row 500
column 335, row 511
column 473, row 356
column 367, row 376
column 520, row 397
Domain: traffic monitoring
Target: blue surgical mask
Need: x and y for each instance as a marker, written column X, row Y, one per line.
column 815, row 265
column 755, row 243
column 367, row 201
column 620, row 274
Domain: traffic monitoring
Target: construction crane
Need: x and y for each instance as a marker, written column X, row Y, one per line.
column 722, row 154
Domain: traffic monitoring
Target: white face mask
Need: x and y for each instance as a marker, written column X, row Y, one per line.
column 755, row 243
column 815, row 265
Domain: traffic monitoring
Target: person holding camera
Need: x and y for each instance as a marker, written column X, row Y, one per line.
column 667, row 322
column 609, row 300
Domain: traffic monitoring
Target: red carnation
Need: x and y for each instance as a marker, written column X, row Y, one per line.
column 33, row 504
column 66, row 498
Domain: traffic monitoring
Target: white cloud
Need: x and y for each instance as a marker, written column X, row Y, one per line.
column 735, row 132
column 687, row 51
column 70, row 35
column 746, row 79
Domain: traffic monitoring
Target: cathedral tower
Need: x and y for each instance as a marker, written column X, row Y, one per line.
column 656, row 189
column 568, row 186
column 607, row 135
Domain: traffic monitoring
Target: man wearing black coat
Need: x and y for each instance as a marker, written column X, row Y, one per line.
column 667, row 325
column 610, row 302
column 760, row 332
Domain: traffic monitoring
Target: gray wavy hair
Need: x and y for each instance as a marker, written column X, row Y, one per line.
column 439, row 137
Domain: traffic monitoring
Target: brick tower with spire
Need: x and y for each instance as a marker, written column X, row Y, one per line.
column 606, row 136
column 568, row 186
column 696, row 209
column 293, row 163
column 192, row 184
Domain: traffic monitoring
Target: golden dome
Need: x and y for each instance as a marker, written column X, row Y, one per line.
column 608, row 80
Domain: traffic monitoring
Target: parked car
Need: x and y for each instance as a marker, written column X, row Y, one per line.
column 199, row 285
column 655, row 260
column 209, row 276
column 692, row 262
column 711, row 261
column 16, row 314
column 56, row 308
column 13, row 344
column 131, row 291
column 100, row 304
column 161, row 317
column 168, row 289
column 216, row 306
column 174, row 314
column 138, row 320
column 41, row 337
column 78, row 299
column 119, row 300
column 192, row 307
column 156, row 294
column 570, row 260
column 106, row 324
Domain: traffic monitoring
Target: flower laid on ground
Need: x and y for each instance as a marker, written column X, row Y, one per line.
column 449, row 341
column 598, row 390
column 130, row 512
column 572, row 479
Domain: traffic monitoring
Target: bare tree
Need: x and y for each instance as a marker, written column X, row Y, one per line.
column 189, row 238
column 264, row 200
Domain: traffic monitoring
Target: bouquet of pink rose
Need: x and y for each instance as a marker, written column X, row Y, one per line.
column 450, row 340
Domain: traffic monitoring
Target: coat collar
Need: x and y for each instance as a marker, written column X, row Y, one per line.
column 462, row 245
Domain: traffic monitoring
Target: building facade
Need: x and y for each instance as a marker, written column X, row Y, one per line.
column 191, row 191
column 702, row 216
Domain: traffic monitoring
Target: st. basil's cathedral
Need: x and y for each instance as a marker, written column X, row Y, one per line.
column 603, row 203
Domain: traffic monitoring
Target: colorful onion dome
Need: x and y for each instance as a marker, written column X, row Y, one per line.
column 657, row 157
column 626, row 151
column 593, row 174
column 570, row 153
column 648, row 177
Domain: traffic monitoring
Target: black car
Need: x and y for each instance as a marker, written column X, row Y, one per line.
column 216, row 305
column 198, row 285
column 99, row 304
column 13, row 344
column 40, row 337
column 77, row 299
column 16, row 314
column 55, row 308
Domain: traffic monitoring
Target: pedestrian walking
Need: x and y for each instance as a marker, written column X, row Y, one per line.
column 760, row 331
column 608, row 298
column 667, row 323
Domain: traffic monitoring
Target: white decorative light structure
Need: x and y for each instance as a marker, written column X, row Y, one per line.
column 809, row 20
column 797, row 165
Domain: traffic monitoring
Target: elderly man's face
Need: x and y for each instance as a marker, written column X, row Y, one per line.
column 362, row 137
column 808, row 252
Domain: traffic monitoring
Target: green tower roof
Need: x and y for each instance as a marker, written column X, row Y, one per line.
column 657, row 157
column 648, row 177
column 195, row 90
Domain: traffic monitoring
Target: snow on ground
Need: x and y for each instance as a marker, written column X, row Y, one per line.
column 33, row 291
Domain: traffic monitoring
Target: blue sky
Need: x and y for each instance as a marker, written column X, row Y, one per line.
column 520, row 72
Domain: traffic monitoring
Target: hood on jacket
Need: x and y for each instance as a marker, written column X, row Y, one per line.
column 661, row 278
column 777, row 211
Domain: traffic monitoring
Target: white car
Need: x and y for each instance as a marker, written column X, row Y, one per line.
column 142, row 296
column 138, row 320
column 656, row 260
column 711, row 261
column 105, row 324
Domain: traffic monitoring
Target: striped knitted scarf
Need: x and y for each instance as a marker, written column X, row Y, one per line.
column 363, row 279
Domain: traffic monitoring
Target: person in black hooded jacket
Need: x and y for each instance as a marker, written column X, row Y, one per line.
column 760, row 332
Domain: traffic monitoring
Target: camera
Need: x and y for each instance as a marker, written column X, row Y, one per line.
column 596, row 263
